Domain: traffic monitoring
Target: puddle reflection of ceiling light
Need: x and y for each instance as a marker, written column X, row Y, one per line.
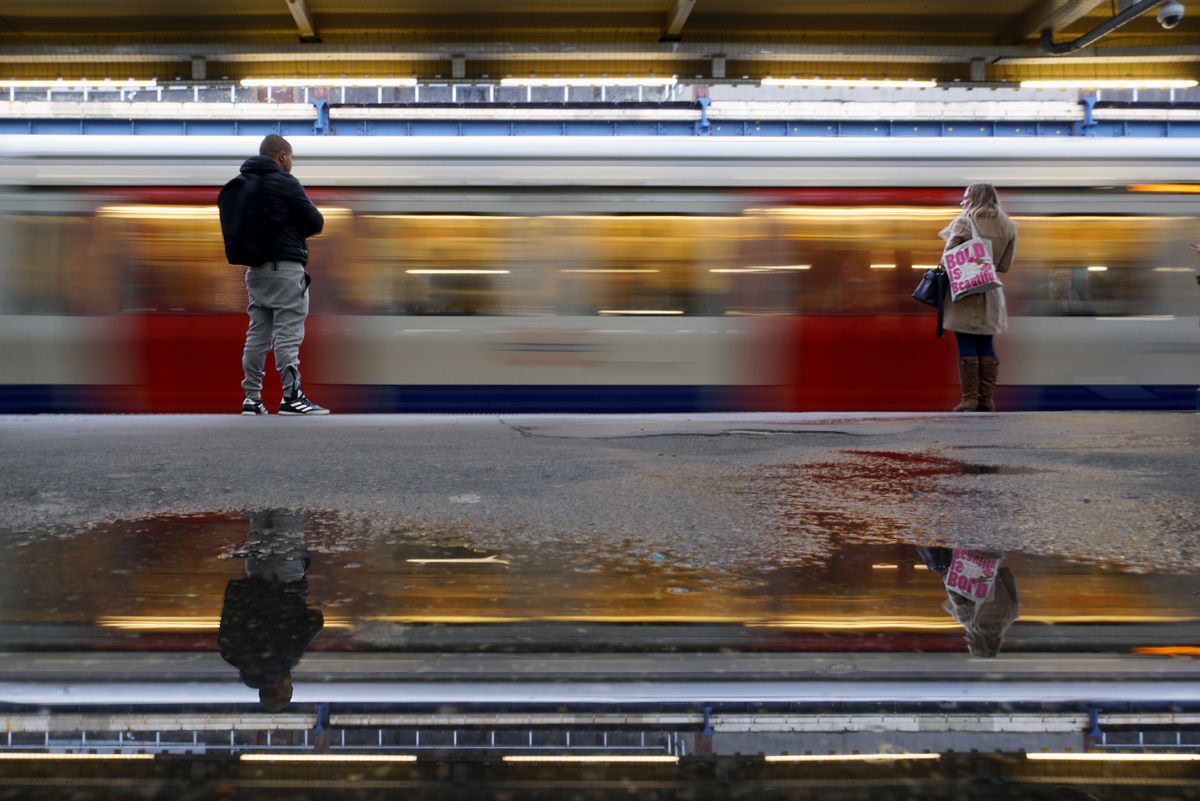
column 69, row 757
column 848, row 757
column 328, row 758
column 1092, row 756
column 592, row 758
column 473, row 560
column 613, row 271
column 458, row 272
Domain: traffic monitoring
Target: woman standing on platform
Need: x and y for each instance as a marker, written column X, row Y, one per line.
column 975, row 319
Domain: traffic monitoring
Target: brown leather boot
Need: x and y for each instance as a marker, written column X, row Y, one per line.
column 968, row 378
column 989, row 367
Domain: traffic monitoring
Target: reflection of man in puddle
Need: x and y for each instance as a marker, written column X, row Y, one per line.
column 266, row 625
column 981, row 594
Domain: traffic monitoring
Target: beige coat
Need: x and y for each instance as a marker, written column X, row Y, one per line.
column 984, row 313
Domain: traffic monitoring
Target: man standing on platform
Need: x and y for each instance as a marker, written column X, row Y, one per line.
column 265, row 218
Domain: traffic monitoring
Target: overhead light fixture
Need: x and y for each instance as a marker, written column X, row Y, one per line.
column 593, row 758
column 924, row 266
column 1111, row 83
column 883, row 266
column 849, row 757
column 640, row 311
column 1097, row 268
column 849, row 83
column 82, row 83
column 1093, row 756
column 613, row 271
column 32, row 757
column 672, row 81
column 327, row 758
column 1175, row 189
column 280, row 83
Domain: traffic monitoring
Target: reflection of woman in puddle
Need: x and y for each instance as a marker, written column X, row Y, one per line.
column 266, row 625
column 981, row 594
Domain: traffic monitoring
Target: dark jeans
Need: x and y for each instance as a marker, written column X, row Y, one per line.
column 971, row 346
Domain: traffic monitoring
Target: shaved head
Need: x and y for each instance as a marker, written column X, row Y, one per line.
column 273, row 145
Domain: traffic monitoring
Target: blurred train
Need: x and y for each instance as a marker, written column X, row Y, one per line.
column 599, row 274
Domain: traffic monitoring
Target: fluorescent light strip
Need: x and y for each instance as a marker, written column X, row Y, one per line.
column 593, row 758
column 641, row 311
column 924, row 266
column 869, row 212
column 328, row 758
column 672, row 81
column 280, row 83
column 1111, row 83
column 157, row 212
column 1179, row 189
column 458, row 272
column 850, row 757
column 82, row 83
column 1092, row 756
column 850, row 83
column 1097, row 268
column 607, row 272
column 1174, row 270
column 18, row 757
column 883, row 266
column 480, row 560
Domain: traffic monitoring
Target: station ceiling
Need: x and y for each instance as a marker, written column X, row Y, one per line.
column 964, row 40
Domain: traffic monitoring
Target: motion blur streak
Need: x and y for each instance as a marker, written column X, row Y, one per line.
column 115, row 294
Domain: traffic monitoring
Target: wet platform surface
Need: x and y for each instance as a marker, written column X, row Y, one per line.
column 460, row 590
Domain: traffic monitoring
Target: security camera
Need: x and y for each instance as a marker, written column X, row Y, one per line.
column 1171, row 14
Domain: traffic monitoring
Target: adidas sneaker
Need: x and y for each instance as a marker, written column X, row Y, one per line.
column 253, row 406
column 299, row 404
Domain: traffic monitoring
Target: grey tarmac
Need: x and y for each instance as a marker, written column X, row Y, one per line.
column 704, row 490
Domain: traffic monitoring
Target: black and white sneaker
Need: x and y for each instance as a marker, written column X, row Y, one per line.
column 299, row 404
column 253, row 406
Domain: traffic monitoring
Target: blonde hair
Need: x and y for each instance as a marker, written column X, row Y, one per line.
column 982, row 198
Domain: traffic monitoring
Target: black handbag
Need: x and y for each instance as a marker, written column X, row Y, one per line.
column 932, row 291
column 932, row 287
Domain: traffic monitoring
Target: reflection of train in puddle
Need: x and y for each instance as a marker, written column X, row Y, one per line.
column 621, row 275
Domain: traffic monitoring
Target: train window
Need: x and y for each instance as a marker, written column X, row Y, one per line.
column 52, row 266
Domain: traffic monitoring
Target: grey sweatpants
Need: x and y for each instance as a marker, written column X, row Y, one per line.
column 278, row 306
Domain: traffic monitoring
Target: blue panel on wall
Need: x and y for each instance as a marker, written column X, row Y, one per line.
column 1016, row 129
column 537, row 129
column 434, row 128
column 15, row 127
column 640, row 128
column 107, row 127
column 487, row 128
column 257, row 127
column 210, row 127
column 382, row 128
column 974, row 129
column 916, row 129
column 55, row 127
column 158, row 127
column 812, row 128
column 589, row 128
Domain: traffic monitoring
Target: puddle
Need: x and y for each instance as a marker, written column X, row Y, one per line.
column 167, row 581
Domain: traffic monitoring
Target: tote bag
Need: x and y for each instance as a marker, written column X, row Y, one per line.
column 969, row 266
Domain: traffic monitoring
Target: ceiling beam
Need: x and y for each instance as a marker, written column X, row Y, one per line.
column 1050, row 14
column 677, row 17
column 631, row 51
column 304, row 20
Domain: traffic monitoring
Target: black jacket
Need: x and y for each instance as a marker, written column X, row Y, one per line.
column 266, row 628
column 289, row 207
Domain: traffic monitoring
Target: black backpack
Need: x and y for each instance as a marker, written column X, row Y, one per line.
column 250, row 233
